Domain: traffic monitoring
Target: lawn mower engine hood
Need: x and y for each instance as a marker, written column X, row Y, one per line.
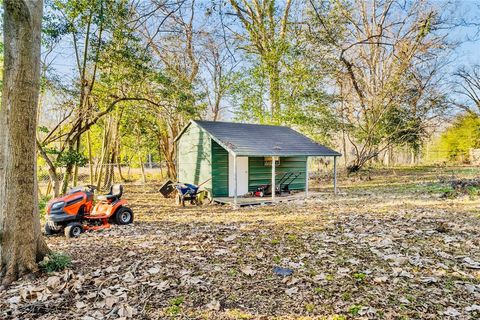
column 68, row 207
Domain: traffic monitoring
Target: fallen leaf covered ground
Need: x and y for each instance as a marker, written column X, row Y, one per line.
column 378, row 250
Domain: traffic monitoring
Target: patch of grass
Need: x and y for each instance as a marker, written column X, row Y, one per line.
column 473, row 191
column 175, row 305
column 437, row 188
column 177, row 301
column 232, row 272
column 329, row 277
column 359, row 276
column 310, row 307
column 338, row 317
column 239, row 314
column 275, row 241
column 346, row 296
column 292, row 237
column 56, row 261
column 449, row 285
column 318, row 290
column 354, row 310
column 174, row 310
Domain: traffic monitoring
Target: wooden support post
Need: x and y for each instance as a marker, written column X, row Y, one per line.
column 273, row 179
column 335, row 175
column 306, row 178
column 235, row 181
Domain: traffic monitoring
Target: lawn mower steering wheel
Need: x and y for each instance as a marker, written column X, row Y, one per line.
column 91, row 187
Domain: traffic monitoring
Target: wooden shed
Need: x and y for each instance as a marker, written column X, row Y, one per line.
column 236, row 158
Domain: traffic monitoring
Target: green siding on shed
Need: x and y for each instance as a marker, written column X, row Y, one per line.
column 219, row 170
column 194, row 157
column 259, row 174
column 200, row 158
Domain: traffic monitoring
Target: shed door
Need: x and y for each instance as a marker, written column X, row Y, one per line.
column 242, row 176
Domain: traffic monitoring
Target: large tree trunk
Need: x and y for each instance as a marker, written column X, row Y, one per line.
column 75, row 168
column 52, row 172
column 21, row 241
column 168, row 150
column 116, row 150
column 68, row 171
column 274, row 82
column 140, row 156
column 107, row 135
column 90, row 162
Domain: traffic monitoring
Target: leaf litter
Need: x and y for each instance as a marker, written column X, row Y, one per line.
column 371, row 255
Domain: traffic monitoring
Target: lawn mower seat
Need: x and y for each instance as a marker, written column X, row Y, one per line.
column 115, row 193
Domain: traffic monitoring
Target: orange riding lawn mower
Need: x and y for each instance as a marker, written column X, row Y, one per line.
column 76, row 212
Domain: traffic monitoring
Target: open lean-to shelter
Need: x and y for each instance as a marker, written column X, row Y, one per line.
column 233, row 159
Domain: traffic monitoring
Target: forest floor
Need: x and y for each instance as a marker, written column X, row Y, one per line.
column 394, row 244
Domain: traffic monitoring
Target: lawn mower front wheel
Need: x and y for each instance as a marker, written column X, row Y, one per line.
column 124, row 216
column 73, row 230
column 49, row 231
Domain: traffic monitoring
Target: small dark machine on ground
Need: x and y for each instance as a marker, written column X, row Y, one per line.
column 77, row 211
column 281, row 187
column 186, row 192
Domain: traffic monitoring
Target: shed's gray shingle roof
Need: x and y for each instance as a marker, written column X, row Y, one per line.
column 263, row 140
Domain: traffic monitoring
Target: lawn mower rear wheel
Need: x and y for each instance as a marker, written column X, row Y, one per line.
column 123, row 216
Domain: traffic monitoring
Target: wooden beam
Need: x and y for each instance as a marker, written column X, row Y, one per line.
column 335, row 175
column 235, row 181
column 306, row 178
column 273, row 179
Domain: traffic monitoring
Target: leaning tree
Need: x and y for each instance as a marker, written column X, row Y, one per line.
column 21, row 241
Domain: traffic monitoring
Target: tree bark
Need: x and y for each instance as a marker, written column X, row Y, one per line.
column 274, row 83
column 75, row 168
column 52, row 172
column 21, row 241
column 68, row 171
column 90, row 162
column 106, row 138
column 140, row 156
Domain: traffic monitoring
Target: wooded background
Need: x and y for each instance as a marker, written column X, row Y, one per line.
column 372, row 79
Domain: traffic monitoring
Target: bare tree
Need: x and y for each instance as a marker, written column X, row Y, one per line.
column 468, row 88
column 220, row 66
column 21, row 241
column 175, row 51
column 384, row 50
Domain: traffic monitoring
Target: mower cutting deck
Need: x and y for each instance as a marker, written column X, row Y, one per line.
column 76, row 212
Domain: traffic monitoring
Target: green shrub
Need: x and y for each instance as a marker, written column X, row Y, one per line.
column 456, row 141
column 55, row 261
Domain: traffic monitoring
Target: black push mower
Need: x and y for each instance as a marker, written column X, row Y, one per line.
column 282, row 186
